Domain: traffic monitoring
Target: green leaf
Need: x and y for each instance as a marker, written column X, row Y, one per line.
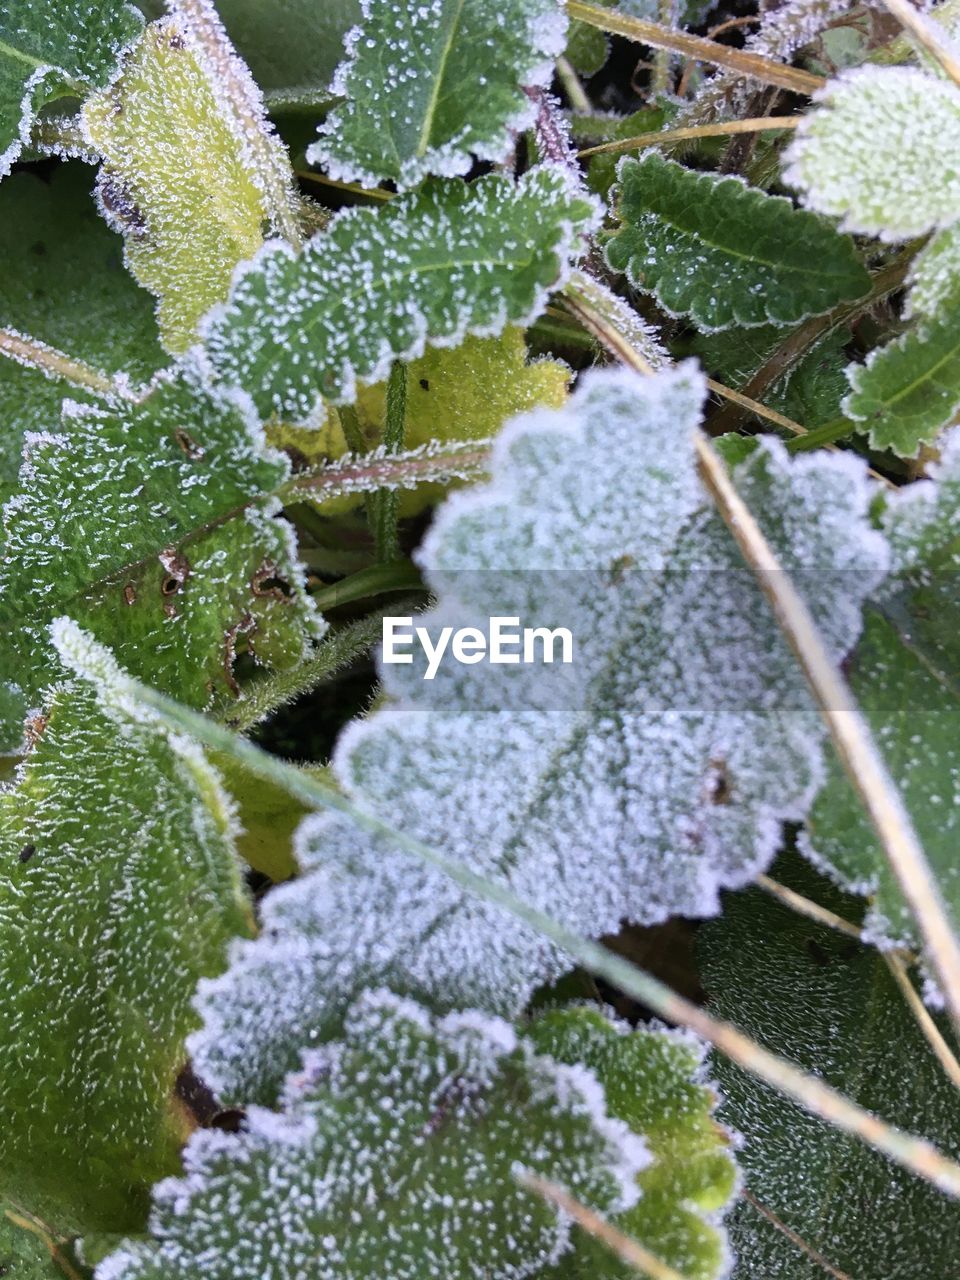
column 429, row 84
column 655, row 1082
column 176, row 181
column 65, row 285
column 905, row 673
column 395, row 1154
column 631, row 784
column 909, row 390
column 878, row 152
column 724, row 253
column 292, row 47
column 438, row 264
column 46, row 55
column 131, row 517
column 829, row 1004
column 118, row 889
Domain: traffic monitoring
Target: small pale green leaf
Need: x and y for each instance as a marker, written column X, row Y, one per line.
column 53, row 51
column 64, row 284
column 655, row 1082
column 829, row 1004
column 724, row 253
column 395, row 1154
column 118, row 522
column 633, row 783
column 118, row 890
column 878, row 151
column 429, row 84
column 441, row 263
column 905, row 673
column 176, row 180
column 909, row 390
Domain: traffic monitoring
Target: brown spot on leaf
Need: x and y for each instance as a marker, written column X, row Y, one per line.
column 241, row 628
column 177, row 570
column 717, row 785
column 189, row 446
column 27, row 852
column 269, row 583
column 130, row 593
column 119, row 206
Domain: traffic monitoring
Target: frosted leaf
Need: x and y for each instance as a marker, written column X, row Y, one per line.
column 905, row 673
column 635, row 783
column 118, row 889
column 724, row 253
column 428, row 269
column 112, row 525
column 829, row 1004
column 878, row 152
column 175, row 180
column 55, row 51
column 23, row 1255
column 935, row 276
column 429, row 84
column 395, row 1154
column 909, row 390
column 653, row 1080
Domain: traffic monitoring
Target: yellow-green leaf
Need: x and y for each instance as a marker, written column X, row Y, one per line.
column 175, row 181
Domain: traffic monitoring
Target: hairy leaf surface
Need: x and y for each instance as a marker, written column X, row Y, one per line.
column 49, row 52
column 395, row 1154
column 118, row 889
column 655, row 1082
column 878, row 152
column 724, row 253
column 102, row 529
column 906, row 675
column 428, row 269
column 429, row 84
column 633, row 783
column 176, row 181
column 829, row 1004
column 907, row 391
column 64, row 284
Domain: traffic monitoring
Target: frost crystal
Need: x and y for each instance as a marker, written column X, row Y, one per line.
column 428, row 269
column 395, row 1154
column 635, row 784
column 429, row 84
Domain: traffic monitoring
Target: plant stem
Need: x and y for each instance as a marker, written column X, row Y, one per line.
column 665, row 137
column 394, row 575
column 461, row 460
column 914, row 1153
column 383, row 506
column 807, row 907
column 931, row 1032
column 241, row 100
column 350, row 426
column 850, row 732
column 697, row 48
column 37, row 355
column 628, row 1250
column 576, row 95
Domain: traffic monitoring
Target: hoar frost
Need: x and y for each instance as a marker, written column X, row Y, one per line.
column 657, row 774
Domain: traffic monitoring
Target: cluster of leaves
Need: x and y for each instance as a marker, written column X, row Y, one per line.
column 228, row 410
